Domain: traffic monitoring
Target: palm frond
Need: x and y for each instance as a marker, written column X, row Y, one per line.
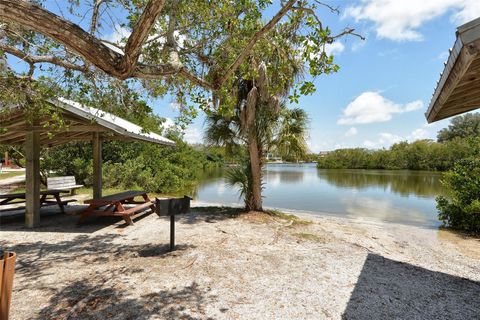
column 238, row 177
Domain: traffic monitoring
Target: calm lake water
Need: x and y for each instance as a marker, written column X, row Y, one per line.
column 399, row 196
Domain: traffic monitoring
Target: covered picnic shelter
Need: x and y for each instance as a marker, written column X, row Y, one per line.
column 458, row 89
column 82, row 123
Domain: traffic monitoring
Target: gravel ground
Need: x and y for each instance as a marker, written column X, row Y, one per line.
column 247, row 266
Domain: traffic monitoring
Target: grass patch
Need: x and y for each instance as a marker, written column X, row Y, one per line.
column 288, row 217
column 309, row 237
column 10, row 174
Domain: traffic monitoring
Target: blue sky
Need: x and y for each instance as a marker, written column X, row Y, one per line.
column 385, row 83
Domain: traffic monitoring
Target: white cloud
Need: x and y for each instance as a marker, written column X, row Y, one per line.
column 388, row 138
column 371, row 107
column 400, row 20
column 334, row 48
column 370, row 144
column 317, row 146
column 351, row 132
column 385, row 139
column 192, row 135
column 470, row 11
column 419, row 134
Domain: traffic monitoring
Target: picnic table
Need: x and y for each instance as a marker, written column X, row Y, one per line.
column 121, row 204
column 8, row 199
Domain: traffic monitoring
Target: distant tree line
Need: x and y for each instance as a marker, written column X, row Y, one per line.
column 460, row 140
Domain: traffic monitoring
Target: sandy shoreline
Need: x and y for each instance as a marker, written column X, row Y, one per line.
column 250, row 266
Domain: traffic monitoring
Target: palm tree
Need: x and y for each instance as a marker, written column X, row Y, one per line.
column 266, row 126
column 260, row 121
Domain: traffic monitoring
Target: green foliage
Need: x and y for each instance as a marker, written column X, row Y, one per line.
column 290, row 136
column 467, row 125
column 31, row 96
column 418, row 155
column 240, row 176
column 205, row 49
column 461, row 210
column 73, row 159
column 133, row 165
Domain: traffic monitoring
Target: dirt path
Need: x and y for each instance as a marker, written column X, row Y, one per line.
column 242, row 267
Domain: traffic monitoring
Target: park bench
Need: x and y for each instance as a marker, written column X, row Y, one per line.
column 121, row 204
column 18, row 198
column 63, row 183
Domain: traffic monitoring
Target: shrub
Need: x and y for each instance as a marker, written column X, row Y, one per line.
column 461, row 210
column 133, row 165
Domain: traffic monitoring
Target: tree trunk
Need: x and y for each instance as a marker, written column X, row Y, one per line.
column 256, row 174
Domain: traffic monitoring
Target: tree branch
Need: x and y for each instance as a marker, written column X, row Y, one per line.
column 93, row 22
column 349, row 31
column 94, row 52
column 36, row 18
column 253, row 41
column 33, row 59
column 139, row 34
column 332, row 9
column 311, row 12
column 171, row 44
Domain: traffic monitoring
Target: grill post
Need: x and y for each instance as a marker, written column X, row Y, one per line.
column 172, row 232
column 171, row 207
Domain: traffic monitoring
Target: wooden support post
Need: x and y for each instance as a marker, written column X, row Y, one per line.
column 97, row 165
column 32, row 176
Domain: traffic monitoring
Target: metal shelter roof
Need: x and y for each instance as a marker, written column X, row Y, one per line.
column 458, row 89
column 81, row 121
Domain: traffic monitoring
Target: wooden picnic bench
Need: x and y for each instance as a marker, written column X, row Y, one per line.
column 63, row 183
column 14, row 198
column 118, row 205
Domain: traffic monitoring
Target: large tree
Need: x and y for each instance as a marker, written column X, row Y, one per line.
column 188, row 48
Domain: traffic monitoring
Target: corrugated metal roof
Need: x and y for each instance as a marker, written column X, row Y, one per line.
column 81, row 121
column 111, row 122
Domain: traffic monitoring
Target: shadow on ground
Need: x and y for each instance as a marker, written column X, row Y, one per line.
column 54, row 221
column 209, row 214
column 42, row 258
column 388, row 289
column 94, row 298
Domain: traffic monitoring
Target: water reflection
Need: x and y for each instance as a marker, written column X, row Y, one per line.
column 392, row 196
column 384, row 210
column 403, row 182
column 284, row 177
